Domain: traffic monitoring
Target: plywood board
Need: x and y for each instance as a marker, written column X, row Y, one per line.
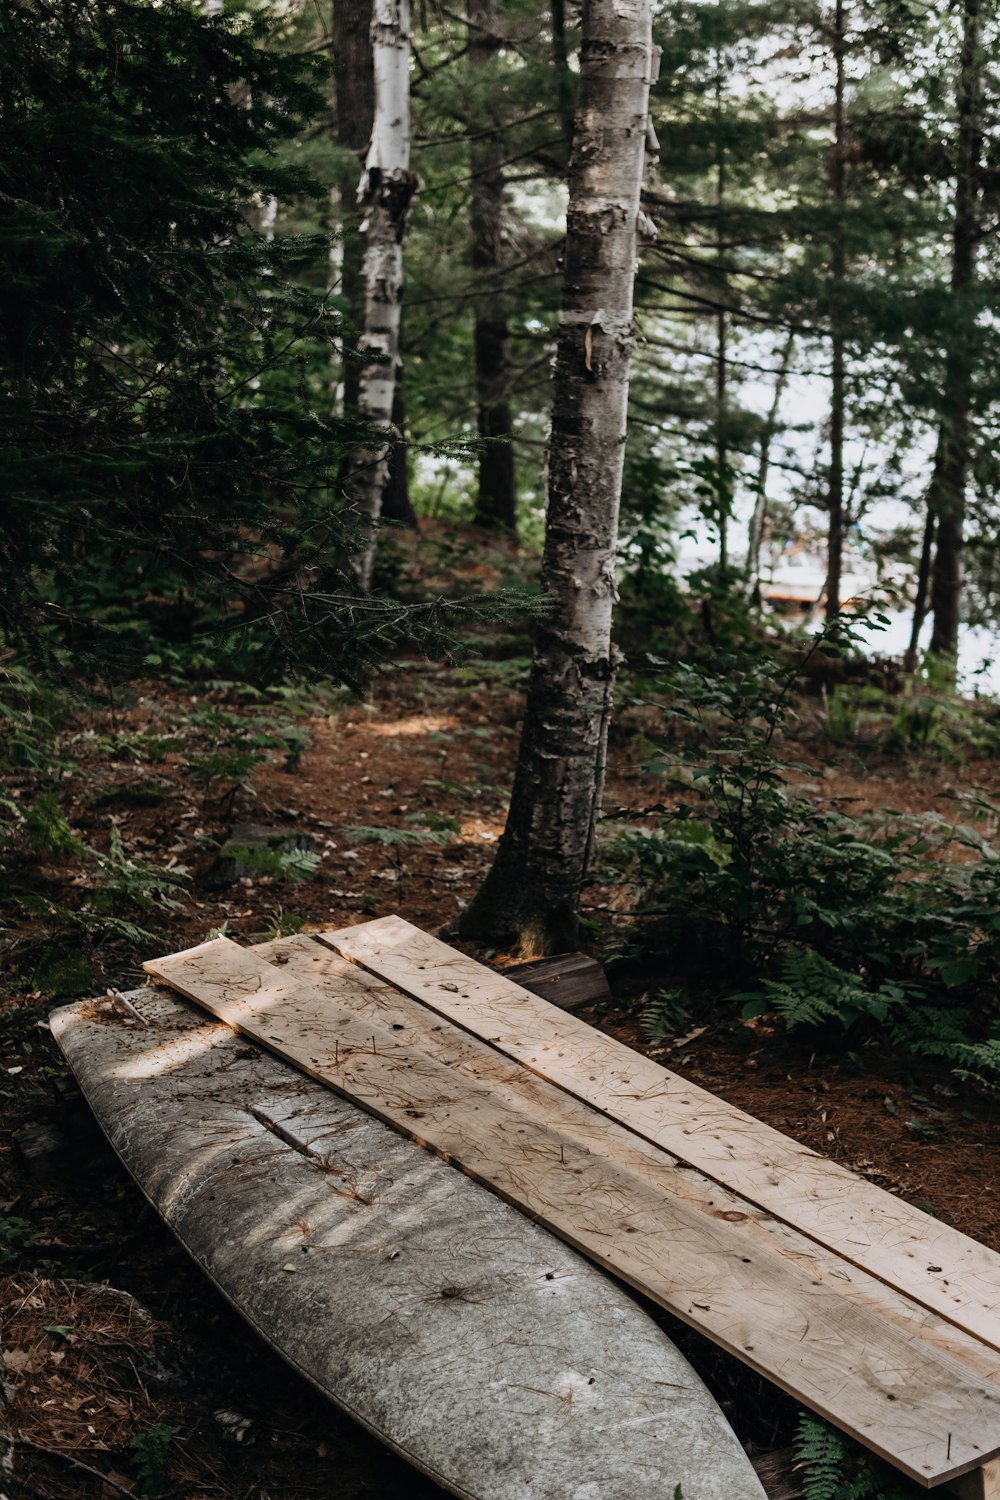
column 466, row 1338
column 924, row 1411
column 367, row 996
column 936, row 1265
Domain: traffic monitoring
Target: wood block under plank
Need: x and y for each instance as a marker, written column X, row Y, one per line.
column 938, row 1266
column 569, row 980
column 906, row 1401
column 978, row 1484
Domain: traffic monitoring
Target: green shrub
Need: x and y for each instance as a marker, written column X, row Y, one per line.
column 827, row 918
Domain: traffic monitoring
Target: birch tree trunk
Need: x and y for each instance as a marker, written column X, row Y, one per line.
column 386, row 189
column 724, row 488
column 533, row 889
column 951, row 468
column 922, row 596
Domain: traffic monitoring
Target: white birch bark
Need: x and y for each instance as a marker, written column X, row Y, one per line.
column 387, row 186
column 534, row 887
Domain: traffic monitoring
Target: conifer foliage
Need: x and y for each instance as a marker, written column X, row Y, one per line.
column 165, row 469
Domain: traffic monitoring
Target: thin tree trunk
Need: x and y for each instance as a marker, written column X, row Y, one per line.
column 759, row 517
column 496, row 497
column 533, row 889
column 921, row 601
column 396, row 503
column 564, row 73
column 354, row 118
column 951, row 470
column 386, row 190
column 722, row 333
column 262, row 214
column 838, row 184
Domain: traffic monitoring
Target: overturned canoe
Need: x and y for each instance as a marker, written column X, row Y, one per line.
column 471, row 1341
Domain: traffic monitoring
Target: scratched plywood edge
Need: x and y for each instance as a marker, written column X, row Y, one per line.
column 225, row 980
column 762, row 1160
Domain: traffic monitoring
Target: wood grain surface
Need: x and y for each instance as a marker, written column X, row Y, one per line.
column 936, row 1265
column 619, row 1199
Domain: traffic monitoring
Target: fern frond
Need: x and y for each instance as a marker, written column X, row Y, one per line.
column 811, row 990
column 821, row 1452
column 388, row 836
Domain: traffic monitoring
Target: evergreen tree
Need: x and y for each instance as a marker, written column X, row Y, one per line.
column 165, row 471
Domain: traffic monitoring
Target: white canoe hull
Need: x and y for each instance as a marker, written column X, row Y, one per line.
column 471, row 1341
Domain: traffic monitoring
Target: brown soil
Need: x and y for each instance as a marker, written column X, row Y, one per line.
column 88, row 1373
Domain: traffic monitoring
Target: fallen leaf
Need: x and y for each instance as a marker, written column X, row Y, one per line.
column 19, row 1360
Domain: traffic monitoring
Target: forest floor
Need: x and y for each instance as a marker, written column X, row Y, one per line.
column 403, row 799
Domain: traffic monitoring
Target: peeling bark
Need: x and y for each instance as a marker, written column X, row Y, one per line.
column 533, row 889
column 387, row 187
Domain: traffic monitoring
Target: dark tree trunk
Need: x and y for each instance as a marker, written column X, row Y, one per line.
column 952, row 464
column 354, row 114
column 533, row 890
column 759, row 518
column 564, row 73
column 496, row 495
column 838, row 184
column 396, row 503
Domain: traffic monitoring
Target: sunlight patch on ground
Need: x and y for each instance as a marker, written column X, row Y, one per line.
column 486, row 830
column 415, row 725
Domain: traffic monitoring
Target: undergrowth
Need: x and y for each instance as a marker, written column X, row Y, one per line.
column 756, row 889
column 832, row 1467
column 71, row 885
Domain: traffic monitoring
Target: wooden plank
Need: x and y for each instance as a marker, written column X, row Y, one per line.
column 936, row 1265
column 925, row 1412
column 367, row 996
column 465, row 1337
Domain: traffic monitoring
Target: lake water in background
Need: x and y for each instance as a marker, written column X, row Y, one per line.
column 798, row 573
